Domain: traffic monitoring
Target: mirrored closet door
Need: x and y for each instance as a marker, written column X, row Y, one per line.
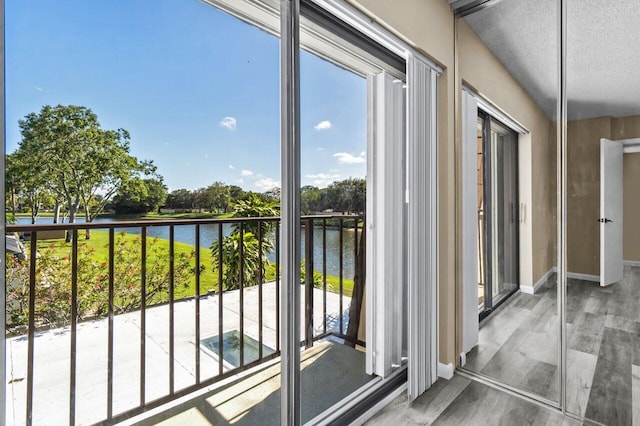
column 603, row 211
column 507, row 70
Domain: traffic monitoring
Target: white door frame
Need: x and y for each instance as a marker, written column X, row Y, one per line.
column 630, row 145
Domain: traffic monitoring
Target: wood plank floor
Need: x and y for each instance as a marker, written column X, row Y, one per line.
column 461, row 401
column 519, row 347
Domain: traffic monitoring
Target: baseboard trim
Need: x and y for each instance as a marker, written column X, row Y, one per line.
column 527, row 289
column 584, row 277
column 445, row 371
column 631, row 262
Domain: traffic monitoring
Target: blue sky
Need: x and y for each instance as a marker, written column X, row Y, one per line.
column 197, row 89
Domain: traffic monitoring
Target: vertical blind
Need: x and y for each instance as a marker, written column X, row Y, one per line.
column 385, row 224
column 422, row 233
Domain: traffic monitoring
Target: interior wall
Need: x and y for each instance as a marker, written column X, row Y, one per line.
column 583, row 191
column 629, row 128
column 481, row 70
column 631, row 210
column 428, row 27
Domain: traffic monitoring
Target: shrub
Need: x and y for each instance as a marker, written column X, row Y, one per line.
column 54, row 281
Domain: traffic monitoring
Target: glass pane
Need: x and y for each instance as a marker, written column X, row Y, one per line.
column 333, row 193
column 505, row 227
column 197, row 91
column 603, row 236
column 509, row 61
column 481, row 217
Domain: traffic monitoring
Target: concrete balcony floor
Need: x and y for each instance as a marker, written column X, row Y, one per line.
column 51, row 372
column 330, row 372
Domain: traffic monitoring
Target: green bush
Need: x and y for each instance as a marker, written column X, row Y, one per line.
column 54, row 281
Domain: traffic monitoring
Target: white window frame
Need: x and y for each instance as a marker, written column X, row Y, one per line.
column 420, row 236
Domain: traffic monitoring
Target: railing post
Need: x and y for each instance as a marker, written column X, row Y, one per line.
column 74, row 323
column 31, row 325
column 308, row 278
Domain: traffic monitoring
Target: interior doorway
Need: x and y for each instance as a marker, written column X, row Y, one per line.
column 498, row 265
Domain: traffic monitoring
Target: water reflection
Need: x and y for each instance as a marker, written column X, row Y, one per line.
column 209, row 234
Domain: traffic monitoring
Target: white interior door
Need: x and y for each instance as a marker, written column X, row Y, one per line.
column 611, row 266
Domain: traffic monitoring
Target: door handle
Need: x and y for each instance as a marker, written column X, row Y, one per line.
column 604, row 220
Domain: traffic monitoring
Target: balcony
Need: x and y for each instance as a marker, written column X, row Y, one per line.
column 205, row 353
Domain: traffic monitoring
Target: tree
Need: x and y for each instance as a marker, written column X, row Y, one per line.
column 236, row 194
column 255, row 207
column 12, row 181
column 65, row 146
column 141, row 196
column 254, row 239
column 199, row 199
column 181, row 199
column 348, row 195
column 27, row 185
column 233, row 259
column 310, row 199
column 273, row 195
column 217, row 196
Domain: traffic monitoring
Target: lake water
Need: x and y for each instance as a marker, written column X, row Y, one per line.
column 209, row 234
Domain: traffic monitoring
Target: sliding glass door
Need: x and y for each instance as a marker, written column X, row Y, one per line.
column 497, row 213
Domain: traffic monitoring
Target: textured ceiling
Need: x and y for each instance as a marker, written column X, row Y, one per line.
column 603, row 52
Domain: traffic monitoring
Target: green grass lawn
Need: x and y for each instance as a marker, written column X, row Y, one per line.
column 99, row 243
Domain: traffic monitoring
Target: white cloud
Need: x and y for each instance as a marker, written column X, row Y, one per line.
column 39, row 89
column 265, row 184
column 245, row 172
column 240, row 180
column 323, row 179
column 320, row 148
column 206, row 155
column 323, row 125
column 333, row 170
column 231, row 166
column 346, row 158
column 229, row 123
column 322, row 176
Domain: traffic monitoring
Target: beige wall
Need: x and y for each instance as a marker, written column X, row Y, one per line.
column 631, row 212
column 429, row 26
column 628, row 128
column 583, row 191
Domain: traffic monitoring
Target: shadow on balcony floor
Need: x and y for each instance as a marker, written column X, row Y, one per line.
column 330, row 372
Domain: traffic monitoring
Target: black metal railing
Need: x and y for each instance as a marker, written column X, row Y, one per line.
column 312, row 333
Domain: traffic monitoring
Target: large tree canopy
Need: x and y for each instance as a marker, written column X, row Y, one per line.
column 140, row 196
column 81, row 163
